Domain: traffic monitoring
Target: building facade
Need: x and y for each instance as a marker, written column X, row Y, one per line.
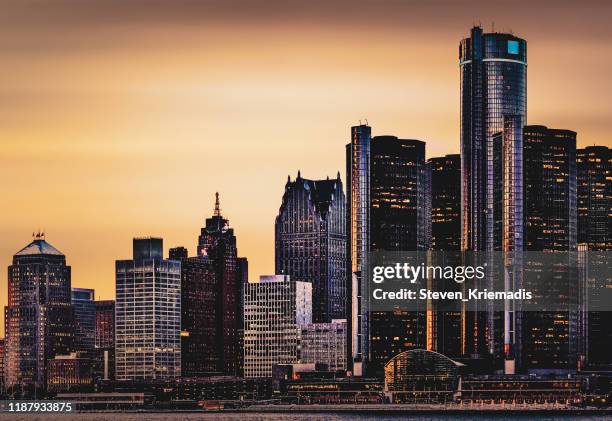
column 311, row 242
column 70, row 373
column 218, row 242
column 147, row 314
column 104, row 353
column 358, row 230
column 274, row 309
column 83, row 305
column 38, row 317
column 493, row 73
column 324, row 343
column 201, row 348
column 446, row 202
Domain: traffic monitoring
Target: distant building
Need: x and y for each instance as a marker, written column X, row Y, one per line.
column 274, row 310
column 218, row 242
column 148, row 314
column 2, row 342
column 311, row 242
column 104, row 353
column 324, row 343
column 38, row 318
column 83, row 304
column 358, row 230
column 201, row 348
column 550, row 338
column 69, row 373
column 446, row 202
column 595, row 197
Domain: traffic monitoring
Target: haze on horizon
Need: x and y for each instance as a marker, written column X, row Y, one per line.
column 121, row 118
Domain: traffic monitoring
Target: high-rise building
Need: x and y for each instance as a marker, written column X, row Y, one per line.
column 84, row 309
column 2, row 342
column 38, row 318
column 446, row 202
column 324, row 343
column 358, row 230
column 70, row 373
column 493, row 70
column 201, row 348
column 218, row 242
column 549, row 339
column 594, row 164
column 104, row 355
column 400, row 221
column 147, row 314
column 274, row 310
column 311, row 243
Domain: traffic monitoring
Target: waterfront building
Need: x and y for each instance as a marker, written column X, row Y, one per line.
column 147, row 314
column 38, row 317
column 70, row 373
column 84, row 319
column 493, row 74
column 324, row 343
column 274, row 310
column 218, row 242
column 358, row 230
column 311, row 242
column 104, row 353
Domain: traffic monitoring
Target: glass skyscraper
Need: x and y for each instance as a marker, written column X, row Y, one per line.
column 358, row 223
column 147, row 314
column 84, row 319
column 311, row 243
column 39, row 319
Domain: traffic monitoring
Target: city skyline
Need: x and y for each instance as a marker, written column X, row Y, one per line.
column 102, row 174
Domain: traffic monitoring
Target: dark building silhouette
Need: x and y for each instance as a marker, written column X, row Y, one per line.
column 446, row 202
column 218, row 242
column 104, row 353
column 399, row 221
column 595, row 197
column 84, row 320
column 201, row 347
column 358, row 230
column 493, row 77
column 311, row 242
column 38, row 318
column 550, row 338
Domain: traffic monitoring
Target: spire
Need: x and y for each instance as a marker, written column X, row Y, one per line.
column 338, row 175
column 217, row 208
column 299, row 175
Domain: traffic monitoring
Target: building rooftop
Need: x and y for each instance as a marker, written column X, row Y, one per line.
column 38, row 246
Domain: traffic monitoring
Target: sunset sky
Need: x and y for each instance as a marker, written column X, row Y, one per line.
column 121, row 118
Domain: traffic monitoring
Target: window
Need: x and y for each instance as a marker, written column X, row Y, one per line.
column 513, row 47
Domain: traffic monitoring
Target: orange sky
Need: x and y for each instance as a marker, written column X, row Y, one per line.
column 122, row 118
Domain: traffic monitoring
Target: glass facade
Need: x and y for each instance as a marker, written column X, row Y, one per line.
column 148, row 314
column 358, row 222
column 311, row 242
column 84, row 319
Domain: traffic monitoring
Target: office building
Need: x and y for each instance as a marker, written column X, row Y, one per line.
column 446, row 202
column 324, row 343
column 147, row 314
column 38, row 318
column 83, row 305
column 70, row 373
column 104, row 353
column 311, row 243
column 274, row 310
column 218, row 242
column 358, row 230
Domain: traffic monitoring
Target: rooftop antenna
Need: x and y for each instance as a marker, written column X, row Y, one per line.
column 366, row 120
column 217, row 208
column 493, row 26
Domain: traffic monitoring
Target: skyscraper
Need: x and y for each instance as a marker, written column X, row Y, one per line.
column 358, row 227
column 594, row 164
column 493, row 70
column 201, row 348
column 39, row 320
column 274, row 310
column 399, row 221
column 311, row 243
column 84, row 319
column 104, row 355
column 147, row 314
column 218, row 242
column 446, row 202
column 549, row 340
